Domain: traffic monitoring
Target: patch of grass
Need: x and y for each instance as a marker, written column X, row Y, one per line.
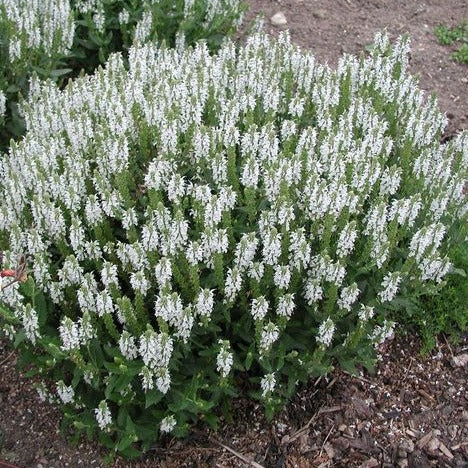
column 456, row 35
column 461, row 55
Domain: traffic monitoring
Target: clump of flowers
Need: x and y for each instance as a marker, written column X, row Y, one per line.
column 112, row 25
column 56, row 39
column 36, row 27
column 195, row 218
column 35, row 37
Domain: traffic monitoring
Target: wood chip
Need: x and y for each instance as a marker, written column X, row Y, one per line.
column 426, row 395
column 424, row 440
column 411, row 433
column 445, row 451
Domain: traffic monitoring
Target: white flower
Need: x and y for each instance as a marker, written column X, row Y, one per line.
column 147, row 378
column 30, row 323
column 299, row 249
column 167, row 424
column 245, row 250
column 427, row 240
column 346, row 240
column 163, row 379
column 139, row 282
column 326, row 332
column 434, row 268
column 127, row 345
column 109, row 274
column 129, row 219
column 286, row 305
column 282, row 276
column 259, row 308
column 268, row 384
column 163, row 271
column 233, row 283
column 383, row 332
column 103, row 415
column 69, row 334
column 124, row 17
column 256, row 271
column 250, row 173
column 205, row 302
column 66, row 393
column 313, row 291
column 270, row 334
column 86, row 331
column 348, row 297
column 99, row 20
column 389, row 285
column 271, row 247
column 2, row 103
column 365, row 313
column 155, row 349
column 224, row 359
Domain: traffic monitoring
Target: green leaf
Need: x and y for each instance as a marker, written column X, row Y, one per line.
column 212, row 420
column 19, row 338
column 60, row 72
column 152, row 397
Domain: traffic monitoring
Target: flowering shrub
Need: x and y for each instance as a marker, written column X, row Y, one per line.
column 199, row 225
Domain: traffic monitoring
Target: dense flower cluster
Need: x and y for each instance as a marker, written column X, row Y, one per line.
column 253, row 203
column 36, row 25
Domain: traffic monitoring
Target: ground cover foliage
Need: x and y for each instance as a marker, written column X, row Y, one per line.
column 201, row 226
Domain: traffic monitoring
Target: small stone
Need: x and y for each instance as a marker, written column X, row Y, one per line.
column 371, row 463
column 433, row 445
column 319, row 14
column 407, row 445
column 464, row 80
column 278, row 19
column 461, row 360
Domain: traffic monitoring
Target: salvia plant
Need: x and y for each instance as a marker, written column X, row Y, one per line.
column 203, row 226
column 35, row 36
column 106, row 26
column 57, row 39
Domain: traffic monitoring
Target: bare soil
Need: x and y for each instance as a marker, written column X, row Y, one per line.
column 412, row 413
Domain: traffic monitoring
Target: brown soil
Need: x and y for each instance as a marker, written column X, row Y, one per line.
column 413, row 412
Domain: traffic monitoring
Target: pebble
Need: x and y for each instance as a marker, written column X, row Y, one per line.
column 319, row 14
column 278, row 19
column 460, row 361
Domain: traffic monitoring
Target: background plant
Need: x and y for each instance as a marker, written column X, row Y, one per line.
column 457, row 35
column 203, row 225
column 35, row 38
column 106, row 26
column 58, row 39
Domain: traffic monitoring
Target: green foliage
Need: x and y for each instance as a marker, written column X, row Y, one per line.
column 457, row 35
column 445, row 309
